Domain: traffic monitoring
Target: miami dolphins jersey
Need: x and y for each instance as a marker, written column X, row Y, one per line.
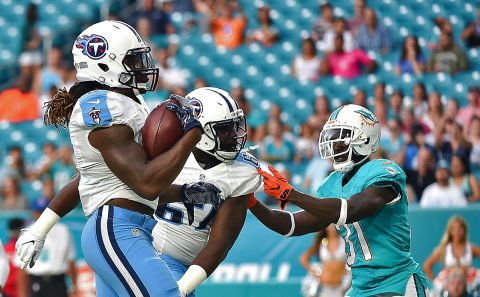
column 378, row 247
column 103, row 109
column 172, row 235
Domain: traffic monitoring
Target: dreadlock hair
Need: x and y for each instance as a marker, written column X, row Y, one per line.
column 59, row 109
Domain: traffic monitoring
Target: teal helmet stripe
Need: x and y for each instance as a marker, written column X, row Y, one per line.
column 334, row 114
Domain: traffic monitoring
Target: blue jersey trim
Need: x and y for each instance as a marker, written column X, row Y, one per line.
column 95, row 110
column 248, row 159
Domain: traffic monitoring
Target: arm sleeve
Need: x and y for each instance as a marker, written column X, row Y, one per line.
column 4, row 266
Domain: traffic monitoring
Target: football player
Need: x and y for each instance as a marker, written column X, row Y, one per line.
column 194, row 247
column 118, row 186
column 365, row 198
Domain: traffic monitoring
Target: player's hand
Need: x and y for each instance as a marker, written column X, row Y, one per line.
column 199, row 193
column 276, row 185
column 185, row 115
column 28, row 247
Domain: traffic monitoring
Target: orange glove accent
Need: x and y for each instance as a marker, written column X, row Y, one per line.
column 276, row 185
column 252, row 201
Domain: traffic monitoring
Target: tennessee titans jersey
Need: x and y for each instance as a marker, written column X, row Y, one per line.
column 103, row 109
column 378, row 247
column 172, row 235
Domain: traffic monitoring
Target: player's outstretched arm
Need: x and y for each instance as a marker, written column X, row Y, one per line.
column 285, row 222
column 31, row 241
column 330, row 210
column 128, row 160
column 227, row 225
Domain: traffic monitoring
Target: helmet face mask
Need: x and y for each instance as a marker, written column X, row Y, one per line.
column 140, row 72
column 350, row 136
column 229, row 136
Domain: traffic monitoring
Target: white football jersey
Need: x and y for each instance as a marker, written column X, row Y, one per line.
column 99, row 109
column 172, row 234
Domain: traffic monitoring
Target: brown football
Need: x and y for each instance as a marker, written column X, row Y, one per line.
column 162, row 129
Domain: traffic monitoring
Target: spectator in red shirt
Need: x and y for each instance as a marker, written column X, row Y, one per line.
column 227, row 28
column 20, row 103
column 346, row 64
column 14, row 227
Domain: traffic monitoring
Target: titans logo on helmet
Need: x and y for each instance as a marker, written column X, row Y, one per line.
column 93, row 46
column 197, row 106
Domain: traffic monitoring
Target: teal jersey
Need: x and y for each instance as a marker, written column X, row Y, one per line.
column 378, row 247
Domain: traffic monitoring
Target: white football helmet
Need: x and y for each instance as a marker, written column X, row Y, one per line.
column 350, row 136
column 223, row 122
column 114, row 54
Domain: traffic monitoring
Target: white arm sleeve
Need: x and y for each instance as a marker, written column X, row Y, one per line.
column 4, row 266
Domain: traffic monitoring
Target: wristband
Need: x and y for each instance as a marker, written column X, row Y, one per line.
column 342, row 219
column 193, row 277
column 45, row 222
column 292, row 227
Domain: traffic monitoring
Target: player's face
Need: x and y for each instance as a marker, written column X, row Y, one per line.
column 231, row 135
column 141, row 65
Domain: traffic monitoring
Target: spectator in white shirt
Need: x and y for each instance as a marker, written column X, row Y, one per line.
column 442, row 193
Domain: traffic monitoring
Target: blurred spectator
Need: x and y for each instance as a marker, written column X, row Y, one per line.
column 276, row 147
column 457, row 283
column 379, row 93
column 14, row 227
column 306, row 65
column 471, row 33
column 238, row 93
column 424, row 174
column 372, row 35
column 323, row 23
column 49, row 155
column 415, row 141
column 317, row 170
column 450, row 140
column 145, row 30
column 448, row 57
column 52, row 72
column 11, row 197
column 420, row 99
column 462, row 178
column 435, row 111
column 228, row 29
column 159, row 17
column 4, row 267
column 359, row 7
column 183, row 6
column 200, row 82
column 346, row 64
column 474, row 138
column 360, row 98
column 442, row 193
column 392, row 141
column 31, row 57
column 14, row 164
column 170, row 76
column 339, row 28
column 56, row 260
column 306, row 145
column 396, row 104
column 411, row 59
column 322, row 112
column 452, row 110
column 454, row 251
column 381, row 113
column 265, row 34
column 473, row 107
column 327, row 278
column 20, row 103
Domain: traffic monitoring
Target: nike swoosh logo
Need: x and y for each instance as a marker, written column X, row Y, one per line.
column 94, row 102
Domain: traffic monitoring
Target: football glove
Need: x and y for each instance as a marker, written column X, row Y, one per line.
column 276, row 185
column 28, row 247
column 184, row 113
column 199, row 193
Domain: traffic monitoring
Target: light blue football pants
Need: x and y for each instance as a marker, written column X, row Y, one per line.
column 178, row 269
column 117, row 244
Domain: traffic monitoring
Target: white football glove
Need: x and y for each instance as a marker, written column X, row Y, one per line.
column 29, row 247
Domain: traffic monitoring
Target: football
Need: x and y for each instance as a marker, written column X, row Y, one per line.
column 162, row 129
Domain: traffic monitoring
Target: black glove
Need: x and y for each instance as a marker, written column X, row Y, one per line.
column 184, row 113
column 199, row 193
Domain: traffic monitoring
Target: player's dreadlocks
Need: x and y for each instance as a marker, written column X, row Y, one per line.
column 59, row 109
